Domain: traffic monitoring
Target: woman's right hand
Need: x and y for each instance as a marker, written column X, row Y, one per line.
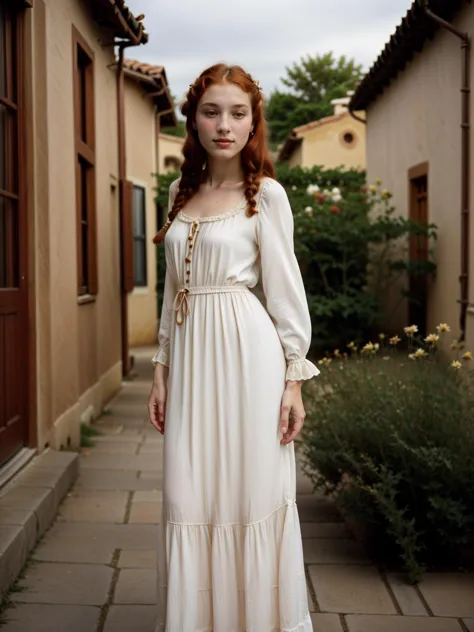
column 157, row 399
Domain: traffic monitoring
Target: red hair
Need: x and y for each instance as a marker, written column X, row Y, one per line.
column 255, row 157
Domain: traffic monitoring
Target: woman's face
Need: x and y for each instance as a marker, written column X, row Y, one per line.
column 224, row 120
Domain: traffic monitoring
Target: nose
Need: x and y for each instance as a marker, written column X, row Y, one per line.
column 223, row 126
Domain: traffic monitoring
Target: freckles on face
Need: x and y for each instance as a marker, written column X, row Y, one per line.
column 224, row 112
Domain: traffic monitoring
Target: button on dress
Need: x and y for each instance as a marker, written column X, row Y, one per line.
column 230, row 555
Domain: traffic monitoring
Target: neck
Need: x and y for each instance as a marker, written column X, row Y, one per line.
column 225, row 171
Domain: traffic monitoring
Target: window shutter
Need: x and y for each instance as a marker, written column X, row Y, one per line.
column 127, row 237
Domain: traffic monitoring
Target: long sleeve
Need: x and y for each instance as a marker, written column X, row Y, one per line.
column 282, row 281
column 162, row 356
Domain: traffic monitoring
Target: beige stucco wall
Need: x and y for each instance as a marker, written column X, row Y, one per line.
column 417, row 119
column 169, row 146
column 78, row 346
column 140, row 123
column 323, row 145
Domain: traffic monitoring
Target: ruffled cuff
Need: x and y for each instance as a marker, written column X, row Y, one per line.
column 301, row 370
column 161, row 356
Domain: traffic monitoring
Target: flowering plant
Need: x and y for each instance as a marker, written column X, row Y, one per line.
column 390, row 435
column 351, row 245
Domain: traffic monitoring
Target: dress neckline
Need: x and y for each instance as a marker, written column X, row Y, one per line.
column 213, row 218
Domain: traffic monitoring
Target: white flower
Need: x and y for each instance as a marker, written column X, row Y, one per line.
column 294, row 187
column 326, row 192
column 336, row 191
column 337, row 197
column 312, row 189
column 309, row 210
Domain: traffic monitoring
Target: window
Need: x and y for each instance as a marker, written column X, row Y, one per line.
column 348, row 139
column 172, row 163
column 84, row 124
column 139, row 237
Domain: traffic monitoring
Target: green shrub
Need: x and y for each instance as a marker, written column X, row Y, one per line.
column 390, row 436
column 351, row 245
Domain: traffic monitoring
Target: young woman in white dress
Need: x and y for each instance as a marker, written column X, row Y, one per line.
column 226, row 392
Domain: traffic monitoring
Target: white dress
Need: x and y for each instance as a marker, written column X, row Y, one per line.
column 230, row 553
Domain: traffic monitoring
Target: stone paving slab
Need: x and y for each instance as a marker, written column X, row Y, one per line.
column 354, row 589
column 136, row 586
column 22, row 518
column 326, row 623
column 406, row 595
column 80, row 584
column 469, row 623
column 39, row 502
column 377, row 623
column 110, row 462
column 52, row 618
column 110, row 480
column 137, row 559
column 333, row 551
column 130, row 619
column 324, row 530
column 313, row 509
column 145, row 513
column 13, row 554
column 449, row 594
column 115, row 447
column 94, row 506
column 93, row 543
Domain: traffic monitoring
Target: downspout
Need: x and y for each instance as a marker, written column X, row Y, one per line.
column 465, row 162
column 122, row 174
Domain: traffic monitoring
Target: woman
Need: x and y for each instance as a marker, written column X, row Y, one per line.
column 227, row 384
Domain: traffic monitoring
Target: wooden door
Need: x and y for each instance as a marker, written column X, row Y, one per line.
column 14, row 378
column 418, row 283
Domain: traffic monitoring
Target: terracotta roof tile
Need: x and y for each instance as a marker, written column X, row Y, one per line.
column 115, row 15
column 410, row 37
column 155, row 72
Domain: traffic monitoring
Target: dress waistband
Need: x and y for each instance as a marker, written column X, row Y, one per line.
column 181, row 302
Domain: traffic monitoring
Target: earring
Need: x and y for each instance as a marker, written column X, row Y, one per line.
column 204, row 165
column 252, row 133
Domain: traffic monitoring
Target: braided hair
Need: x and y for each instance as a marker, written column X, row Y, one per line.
column 255, row 157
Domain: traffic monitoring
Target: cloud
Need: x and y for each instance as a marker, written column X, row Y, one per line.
column 263, row 36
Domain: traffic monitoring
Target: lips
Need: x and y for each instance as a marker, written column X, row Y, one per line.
column 223, row 143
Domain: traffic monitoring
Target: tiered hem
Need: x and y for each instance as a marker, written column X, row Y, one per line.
column 301, row 370
column 233, row 577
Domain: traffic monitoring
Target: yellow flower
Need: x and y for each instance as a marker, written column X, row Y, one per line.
column 337, row 353
column 352, row 345
column 385, row 195
column 382, row 336
column 325, row 361
column 454, row 345
column 378, row 182
column 442, row 327
column 412, row 356
column 412, row 329
column 394, row 340
column 432, row 338
column 420, row 353
column 373, row 188
column 455, row 364
column 467, row 356
column 368, row 347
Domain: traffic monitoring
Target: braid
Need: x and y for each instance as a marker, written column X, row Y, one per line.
column 252, row 182
column 188, row 186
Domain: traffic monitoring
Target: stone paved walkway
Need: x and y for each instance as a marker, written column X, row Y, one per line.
column 94, row 571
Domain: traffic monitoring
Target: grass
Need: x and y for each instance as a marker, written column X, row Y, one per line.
column 87, row 432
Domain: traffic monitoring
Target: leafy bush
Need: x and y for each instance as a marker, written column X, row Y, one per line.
column 390, row 436
column 351, row 245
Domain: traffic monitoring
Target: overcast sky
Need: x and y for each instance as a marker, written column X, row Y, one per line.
column 264, row 36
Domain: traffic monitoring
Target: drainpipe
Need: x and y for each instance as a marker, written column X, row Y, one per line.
column 465, row 162
column 122, row 174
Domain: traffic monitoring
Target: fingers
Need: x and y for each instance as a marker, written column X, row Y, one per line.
column 157, row 414
column 284, row 416
column 295, row 426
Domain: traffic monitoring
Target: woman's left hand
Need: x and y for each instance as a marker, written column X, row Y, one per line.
column 292, row 412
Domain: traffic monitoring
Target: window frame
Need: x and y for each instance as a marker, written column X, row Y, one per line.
column 85, row 165
column 142, row 238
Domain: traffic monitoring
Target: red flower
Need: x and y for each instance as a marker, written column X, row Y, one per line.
column 335, row 209
column 320, row 197
column 364, row 189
